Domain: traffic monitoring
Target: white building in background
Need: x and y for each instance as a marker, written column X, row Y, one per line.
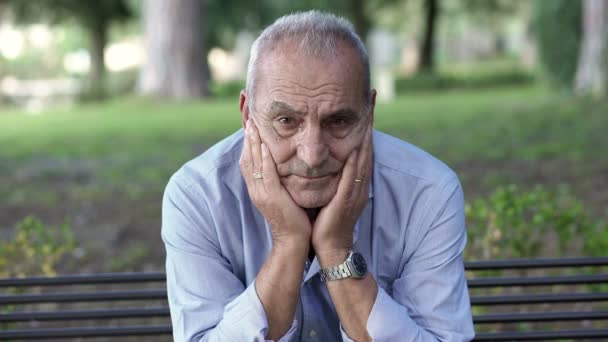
column 383, row 57
column 231, row 65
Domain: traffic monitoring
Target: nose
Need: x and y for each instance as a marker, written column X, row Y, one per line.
column 312, row 150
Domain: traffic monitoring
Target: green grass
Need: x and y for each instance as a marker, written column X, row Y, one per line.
column 522, row 123
column 123, row 125
column 132, row 145
column 528, row 124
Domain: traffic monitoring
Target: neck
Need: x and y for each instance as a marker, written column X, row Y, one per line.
column 312, row 214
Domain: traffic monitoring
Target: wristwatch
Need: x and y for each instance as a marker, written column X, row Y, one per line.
column 353, row 267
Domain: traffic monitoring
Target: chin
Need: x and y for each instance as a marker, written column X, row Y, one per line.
column 309, row 199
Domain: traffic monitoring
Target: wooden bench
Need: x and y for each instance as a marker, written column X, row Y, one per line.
column 512, row 300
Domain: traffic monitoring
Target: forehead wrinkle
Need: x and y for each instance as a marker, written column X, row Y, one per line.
column 275, row 84
column 323, row 106
column 282, row 107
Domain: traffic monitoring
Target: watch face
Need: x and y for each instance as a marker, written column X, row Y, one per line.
column 359, row 263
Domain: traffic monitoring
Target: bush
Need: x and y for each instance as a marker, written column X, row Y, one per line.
column 512, row 223
column 557, row 24
column 230, row 89
column 429, row 82
column 36, row 249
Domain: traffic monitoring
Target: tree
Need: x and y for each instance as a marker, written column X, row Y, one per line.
column 591, row 75
column 94, row 16
column 427, row 50
column 558, row 28
column 176, row 50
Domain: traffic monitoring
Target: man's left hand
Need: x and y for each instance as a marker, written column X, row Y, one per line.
column 332, row 232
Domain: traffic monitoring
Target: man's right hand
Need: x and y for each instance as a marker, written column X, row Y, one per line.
column 289, row 223
column 279, row 280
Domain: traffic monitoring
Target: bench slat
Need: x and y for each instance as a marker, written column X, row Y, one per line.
column 536, row 281
column 484, row 265
column 63, row 297
column 164, row 312
column 116, row 278
column 543, row 335
column 85, row 314
column 148, row 330
column 84, row 279
column 515, row 317
column 539, row 298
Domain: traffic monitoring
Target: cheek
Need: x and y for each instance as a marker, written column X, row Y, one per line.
column 341, row 149
column 280, row 149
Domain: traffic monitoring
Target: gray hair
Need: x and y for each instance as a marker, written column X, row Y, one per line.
column 316, row 34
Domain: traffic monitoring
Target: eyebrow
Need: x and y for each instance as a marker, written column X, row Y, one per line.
column 278, row 107
column 345, row 112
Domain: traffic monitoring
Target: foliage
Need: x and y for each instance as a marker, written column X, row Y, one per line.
column 230, row 89
column 513, row 223
column 558, row 29
column 446, row 81
column 87, row 13
column 225, row 18
column 36, row 249
column 95, row 18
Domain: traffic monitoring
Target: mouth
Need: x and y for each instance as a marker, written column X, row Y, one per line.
column 312, row 178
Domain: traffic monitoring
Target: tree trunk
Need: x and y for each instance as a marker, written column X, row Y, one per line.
column 360, row 19
column 591, row 77
column 176, row 63
column 98, row 39
column 427, row 60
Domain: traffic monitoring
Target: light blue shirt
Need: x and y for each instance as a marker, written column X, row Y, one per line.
column 412, row 234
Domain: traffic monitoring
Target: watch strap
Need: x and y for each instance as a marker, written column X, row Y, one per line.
column 340, row 271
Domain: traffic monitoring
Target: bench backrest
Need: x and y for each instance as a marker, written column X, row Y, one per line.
column 539, row 299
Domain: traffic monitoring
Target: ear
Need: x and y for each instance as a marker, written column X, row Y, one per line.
column 244, row 107
column 372, row 103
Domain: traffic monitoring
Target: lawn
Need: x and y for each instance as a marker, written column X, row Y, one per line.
column 102, row 167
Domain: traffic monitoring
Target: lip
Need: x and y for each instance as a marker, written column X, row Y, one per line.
column 312, row 178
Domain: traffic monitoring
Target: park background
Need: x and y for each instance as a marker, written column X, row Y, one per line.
column 102, row 101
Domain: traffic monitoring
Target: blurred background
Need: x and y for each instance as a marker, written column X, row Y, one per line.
column 101, row 101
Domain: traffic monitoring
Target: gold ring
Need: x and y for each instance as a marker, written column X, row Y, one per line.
column 258, row 175
column 357, row 180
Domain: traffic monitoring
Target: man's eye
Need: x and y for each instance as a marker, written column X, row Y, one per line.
column 286, row 121
column 338, row 122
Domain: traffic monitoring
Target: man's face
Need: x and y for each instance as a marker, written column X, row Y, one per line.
column 311, row 114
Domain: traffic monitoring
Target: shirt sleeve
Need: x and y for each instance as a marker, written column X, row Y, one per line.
column 430, row 299
column 207, row 301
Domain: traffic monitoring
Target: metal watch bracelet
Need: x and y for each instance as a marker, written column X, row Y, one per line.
column 340, row 271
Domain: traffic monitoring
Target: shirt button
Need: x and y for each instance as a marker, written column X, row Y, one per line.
column 312, row 333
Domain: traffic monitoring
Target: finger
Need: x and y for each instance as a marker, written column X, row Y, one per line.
column 364, row 164
column 271, row 177
column 256, row 152
column 246, row 159
column 347, row 181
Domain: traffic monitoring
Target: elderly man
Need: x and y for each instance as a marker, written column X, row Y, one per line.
column 308, row 225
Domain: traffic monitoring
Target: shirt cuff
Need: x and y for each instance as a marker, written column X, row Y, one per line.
column 345, row 337
column 247, row 312
column 386, row 320
column 258, row 303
